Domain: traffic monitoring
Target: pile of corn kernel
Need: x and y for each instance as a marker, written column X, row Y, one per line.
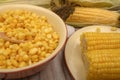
column 38, row 34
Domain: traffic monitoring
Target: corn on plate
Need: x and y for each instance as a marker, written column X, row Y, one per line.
column 74, row 59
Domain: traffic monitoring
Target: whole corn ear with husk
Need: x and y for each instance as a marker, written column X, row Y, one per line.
column 88, row 16
column 101, row 55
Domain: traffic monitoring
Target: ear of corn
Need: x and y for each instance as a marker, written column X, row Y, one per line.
column 97, row 41
column 101, row 55
column 93, row 16
column 104, row 64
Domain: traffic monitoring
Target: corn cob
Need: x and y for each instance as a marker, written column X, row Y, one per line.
column 93, row 16
column 104, row 64
column 101, row 55
column 97, row 41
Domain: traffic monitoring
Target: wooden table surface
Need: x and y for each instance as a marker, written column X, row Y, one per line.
column 56, row 70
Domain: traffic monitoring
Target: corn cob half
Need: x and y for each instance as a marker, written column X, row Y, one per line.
column 98, row 41
column 104, row 64
column 101, row 55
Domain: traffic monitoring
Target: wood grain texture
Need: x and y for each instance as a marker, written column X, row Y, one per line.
column 56, row 70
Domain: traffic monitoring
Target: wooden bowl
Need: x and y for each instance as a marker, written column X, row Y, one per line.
column 59, row 27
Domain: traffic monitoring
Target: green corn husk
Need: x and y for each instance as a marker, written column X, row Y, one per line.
column 96, row 3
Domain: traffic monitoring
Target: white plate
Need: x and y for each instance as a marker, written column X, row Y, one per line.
column 73, row 54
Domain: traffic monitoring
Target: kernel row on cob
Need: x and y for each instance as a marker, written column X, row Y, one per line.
column 101, row 55
column 104, row 64
column 98, row 41
column 86, row 16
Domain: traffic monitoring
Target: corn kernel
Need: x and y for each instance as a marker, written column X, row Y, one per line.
column 1, row 44
column 41, row 58
column 113, row 28
column 22, row 64
column 10, row 67
column 33, row 51
column 34, row 58
column 43, row 54
column 7, row 44
column 2, row 67
column 26, row 57
column 8, row 62
column 98, row 29
column 55, row 36
column 46, row 55
column 2, row 57
column 14, row 63
column 2, row 50
column 30, row 62
column 2, row 62
column 1, row 19
column 49, row 36
column 38, row 44
column 7, row 52
column 20, row 59
column 22, row 53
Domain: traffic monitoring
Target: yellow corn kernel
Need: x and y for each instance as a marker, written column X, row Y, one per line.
column 7, row 44
column 8, row 62
column 26, row 57
column 1, row 18
column 2, row 67
column 1, row 44
column 26, row 46
column 21, row 36
column 47, row 30
column 10, row 67
column 2, row 57
column 22, row 53
column 49, row 36
column 11, row 47
column 41, row 58
column 33, row 51
column 113, row 28
column 2, row 62
column 34, row 58
column 29, row 62
column 43, row 18
column 22, row 64
column 14, row 63
column 98, row 29
column 19, row 58
column 47, row 55
column 43, row 53
column 55, row 36
column 7, row 52
column 2, row 50
column 38, row 44
column 19, row 25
